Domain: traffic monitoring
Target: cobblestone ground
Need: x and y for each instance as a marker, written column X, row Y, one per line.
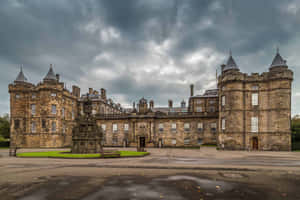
column 164, row 174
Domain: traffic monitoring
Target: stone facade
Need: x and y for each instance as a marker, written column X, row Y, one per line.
column 246, row 112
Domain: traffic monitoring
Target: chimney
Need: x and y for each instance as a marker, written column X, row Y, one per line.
column 103, row 93
column 183, row 104
column 57, row 77
column 133, row 105
column 90, row 90
column 151, row 104
column 76, row 91
column 192, row 89
column 170, row 103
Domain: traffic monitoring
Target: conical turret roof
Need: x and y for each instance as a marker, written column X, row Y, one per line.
column 278, row 61
column 50, row 75
column 21, row 77
column 231, row 64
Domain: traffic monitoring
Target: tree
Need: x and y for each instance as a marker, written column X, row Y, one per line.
column 4, row 126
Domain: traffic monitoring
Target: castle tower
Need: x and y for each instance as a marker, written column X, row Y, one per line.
column 255, row 110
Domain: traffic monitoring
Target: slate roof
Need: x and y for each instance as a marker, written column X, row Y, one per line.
column 50, row 75
column 231, row 64
column 278, row 61
column 21, row 77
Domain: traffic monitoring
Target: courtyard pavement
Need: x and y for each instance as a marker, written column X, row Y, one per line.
column 164, row 174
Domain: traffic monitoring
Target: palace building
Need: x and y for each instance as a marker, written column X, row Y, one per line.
column 245, row 112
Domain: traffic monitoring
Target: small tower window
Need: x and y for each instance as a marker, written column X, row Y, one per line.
column 254, row 124
column 33, row 109
column 223, row 123
column 254, row 99
column 223, row 100
column 53, row 109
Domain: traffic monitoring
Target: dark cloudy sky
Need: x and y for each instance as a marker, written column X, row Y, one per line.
column 150, row 48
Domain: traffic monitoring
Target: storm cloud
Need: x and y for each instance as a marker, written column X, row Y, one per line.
column 141, row 48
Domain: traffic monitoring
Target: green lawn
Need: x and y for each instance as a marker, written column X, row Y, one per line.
column 67, row 154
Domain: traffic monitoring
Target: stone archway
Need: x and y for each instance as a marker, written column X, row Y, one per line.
column 254, row 143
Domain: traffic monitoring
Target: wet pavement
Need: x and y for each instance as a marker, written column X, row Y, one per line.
column 165, row 174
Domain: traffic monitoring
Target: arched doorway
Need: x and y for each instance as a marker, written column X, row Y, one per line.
column 254, row 143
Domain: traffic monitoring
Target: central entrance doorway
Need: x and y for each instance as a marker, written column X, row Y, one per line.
column 255, row 143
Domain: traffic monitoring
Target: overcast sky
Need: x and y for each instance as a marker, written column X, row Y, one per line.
column 150, row 48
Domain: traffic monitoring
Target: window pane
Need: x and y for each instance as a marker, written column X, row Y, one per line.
column 254, row 99
column 223, row 124
column 173, row 125
column 53, row 109
column 254, row 124
column 33, row 109
column 223, row 100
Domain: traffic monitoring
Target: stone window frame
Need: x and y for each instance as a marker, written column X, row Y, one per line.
column 223, row 124
column 33, row 127
column 53, row 126
column 223, row 100
column 254, row 124
column 33, row 109
column 53, row 109
column 213, row 126
column 115, row 127
column 187, row 126
column 254, row 99
column 173, row 126
column 200, row 128
column 161, row 127
column 103, row 126
column 199, row 109
column 173, row 141
column 126, row 127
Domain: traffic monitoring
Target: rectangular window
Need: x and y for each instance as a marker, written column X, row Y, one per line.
column 213, row 127
column 103, row 126
column 33, row 96
column 17, row 96
column 63, row 112
column 254, row 99
column 115, row 127
column 223, row 100
column 161, row 127
column 173, row 126
column 33, row 109
column 33, row 127
column 73, row 114
column 53, row 94
column 126, row 127
column 254, row 124
column 186, row 141
column 211, row 109
column 198, row 109
column 200, row 126
column 173, row 141
column 53, row 127
column 223, row 123
column 53, row 109
column 17, row 123
column 186, row 126
column 255, row 87
column 43, row 123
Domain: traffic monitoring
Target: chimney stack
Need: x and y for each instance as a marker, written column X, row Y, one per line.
column 90, row 90
column 192, row 89
column 57, row 77
column 170, row 103
column 103, row 93
column 76, row 91
column 151, row 104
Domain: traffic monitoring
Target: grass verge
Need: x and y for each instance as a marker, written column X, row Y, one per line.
column 67, row 154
